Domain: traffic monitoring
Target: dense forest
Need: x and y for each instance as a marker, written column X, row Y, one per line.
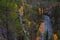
column 15, row 15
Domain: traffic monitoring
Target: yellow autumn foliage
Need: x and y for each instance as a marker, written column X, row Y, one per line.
column 16, row 5
column 22, row 9
column 39, row 10
column 28, row 23
column 55, row 37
